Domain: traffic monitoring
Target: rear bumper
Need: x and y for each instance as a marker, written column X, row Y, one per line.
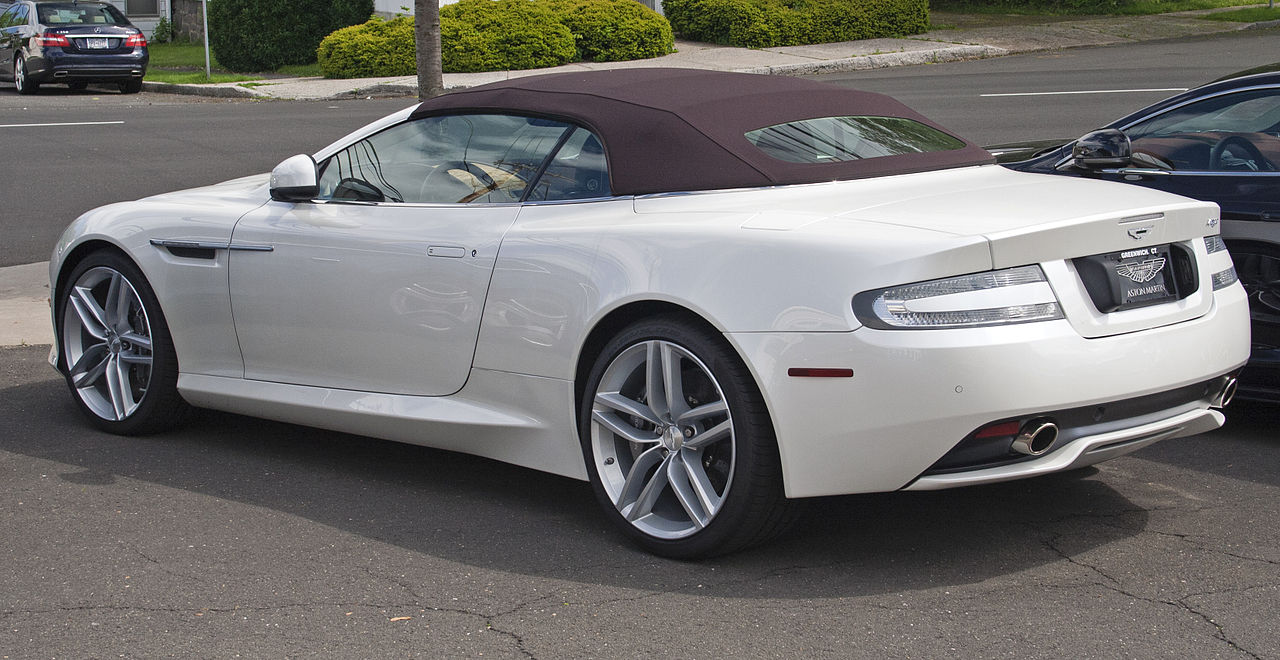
column 1082, row 452
column 52, row 67
column 915, row 395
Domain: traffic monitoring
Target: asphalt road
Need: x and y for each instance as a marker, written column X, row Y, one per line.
column 239, row 537
column 1062, row 93
column 242, row 538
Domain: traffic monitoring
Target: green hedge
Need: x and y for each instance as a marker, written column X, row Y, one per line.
column 493, row 35
column 264, row 35
column 375, row 48
column 501, row 35
column 768, row 23
column 615, row 30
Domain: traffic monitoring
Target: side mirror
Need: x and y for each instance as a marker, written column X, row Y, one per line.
column 1104, row 148
column 295, row 180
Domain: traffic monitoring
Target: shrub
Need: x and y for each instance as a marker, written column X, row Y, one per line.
column 487, row 35
column 495, row 35
column 373, row 48
column 264, row 35
column 614, row 30
column 768, row 23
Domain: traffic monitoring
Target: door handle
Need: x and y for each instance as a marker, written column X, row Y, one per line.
column 447, row 251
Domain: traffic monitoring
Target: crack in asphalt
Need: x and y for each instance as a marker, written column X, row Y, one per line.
column 488, row 619
column 1220, row 632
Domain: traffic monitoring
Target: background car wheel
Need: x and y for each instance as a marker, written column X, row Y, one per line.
column 77, row 85
column 20, row 80
column 131, row 86
column 116, row 351
column 679, row 446
column 1258, row 267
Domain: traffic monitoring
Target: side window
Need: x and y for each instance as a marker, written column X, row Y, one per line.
column 1234, row 133
column 578, row 171
column 15, row 16
column 450, row 159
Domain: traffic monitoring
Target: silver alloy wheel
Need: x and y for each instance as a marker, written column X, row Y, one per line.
column 19, row 74
column 662, row 439
column 106, row 336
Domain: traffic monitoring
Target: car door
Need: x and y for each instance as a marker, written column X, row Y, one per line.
column 12, row 21
column 379, row 283
column 1224, row 149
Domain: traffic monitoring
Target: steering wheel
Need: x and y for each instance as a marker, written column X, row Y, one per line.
column 1237, row 144
column 467, row 192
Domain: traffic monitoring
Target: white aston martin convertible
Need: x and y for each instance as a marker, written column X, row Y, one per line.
column 709, row 294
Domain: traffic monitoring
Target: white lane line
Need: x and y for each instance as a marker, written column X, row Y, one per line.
column 71, row 123
column 1093, row 91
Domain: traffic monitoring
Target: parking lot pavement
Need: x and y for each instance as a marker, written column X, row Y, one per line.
column 242, row 537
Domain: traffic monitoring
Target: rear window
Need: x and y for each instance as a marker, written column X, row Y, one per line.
column 837, row 139
column 80, row 14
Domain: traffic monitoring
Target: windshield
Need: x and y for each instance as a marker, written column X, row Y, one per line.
column 1256, row 111
column 80, row 14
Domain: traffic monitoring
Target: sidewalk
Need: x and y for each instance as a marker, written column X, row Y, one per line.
column 24, row 290
column 974, row 37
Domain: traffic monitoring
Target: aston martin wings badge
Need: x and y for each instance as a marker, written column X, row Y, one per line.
column 1144, row 271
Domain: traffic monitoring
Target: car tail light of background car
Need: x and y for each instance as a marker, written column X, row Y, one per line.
column 53, row 39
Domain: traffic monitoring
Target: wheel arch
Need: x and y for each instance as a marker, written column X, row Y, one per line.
column 615, row 320
column 69, row 262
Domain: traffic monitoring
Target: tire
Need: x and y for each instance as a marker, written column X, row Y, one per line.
column 131, row 86
column 689, row 476
column 115, row 348
column 23, row 84
column 77, row 85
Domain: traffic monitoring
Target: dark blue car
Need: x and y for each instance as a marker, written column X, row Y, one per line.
column 75, row 43
column 1219, row 143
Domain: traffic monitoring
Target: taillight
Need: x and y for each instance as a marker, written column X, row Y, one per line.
column 53, row 39
column 136, row 41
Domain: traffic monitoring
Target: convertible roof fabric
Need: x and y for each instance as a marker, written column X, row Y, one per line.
column 671, row 130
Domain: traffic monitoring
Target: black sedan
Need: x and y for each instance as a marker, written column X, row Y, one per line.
column 70, row 42
column 1219, row 143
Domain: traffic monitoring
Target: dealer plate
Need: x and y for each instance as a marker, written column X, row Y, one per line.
column 1131, row 278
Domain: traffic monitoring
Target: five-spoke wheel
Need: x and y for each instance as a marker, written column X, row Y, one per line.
column 681, row 450
column 116, row 352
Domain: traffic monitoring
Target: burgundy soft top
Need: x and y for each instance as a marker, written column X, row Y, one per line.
column 668, row 130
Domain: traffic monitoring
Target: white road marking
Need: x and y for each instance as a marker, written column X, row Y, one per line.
column 1093, row 91
column 71, row 123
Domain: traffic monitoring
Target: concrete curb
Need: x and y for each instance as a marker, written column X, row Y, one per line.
column 24, row 305
column 379, row 91
column 882, row 61
column 203, row 90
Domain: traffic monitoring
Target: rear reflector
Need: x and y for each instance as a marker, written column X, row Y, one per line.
column 1000, row 430
column 806, row 372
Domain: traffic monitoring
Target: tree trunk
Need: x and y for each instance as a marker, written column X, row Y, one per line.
column 426, row 22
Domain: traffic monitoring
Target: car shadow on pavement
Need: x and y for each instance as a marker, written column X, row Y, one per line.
column 484, row 513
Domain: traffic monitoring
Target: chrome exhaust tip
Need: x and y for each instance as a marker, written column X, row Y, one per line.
column 1036, row 437
column 1226, row 394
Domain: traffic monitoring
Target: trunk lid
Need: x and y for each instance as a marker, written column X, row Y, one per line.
column 1105, row 248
